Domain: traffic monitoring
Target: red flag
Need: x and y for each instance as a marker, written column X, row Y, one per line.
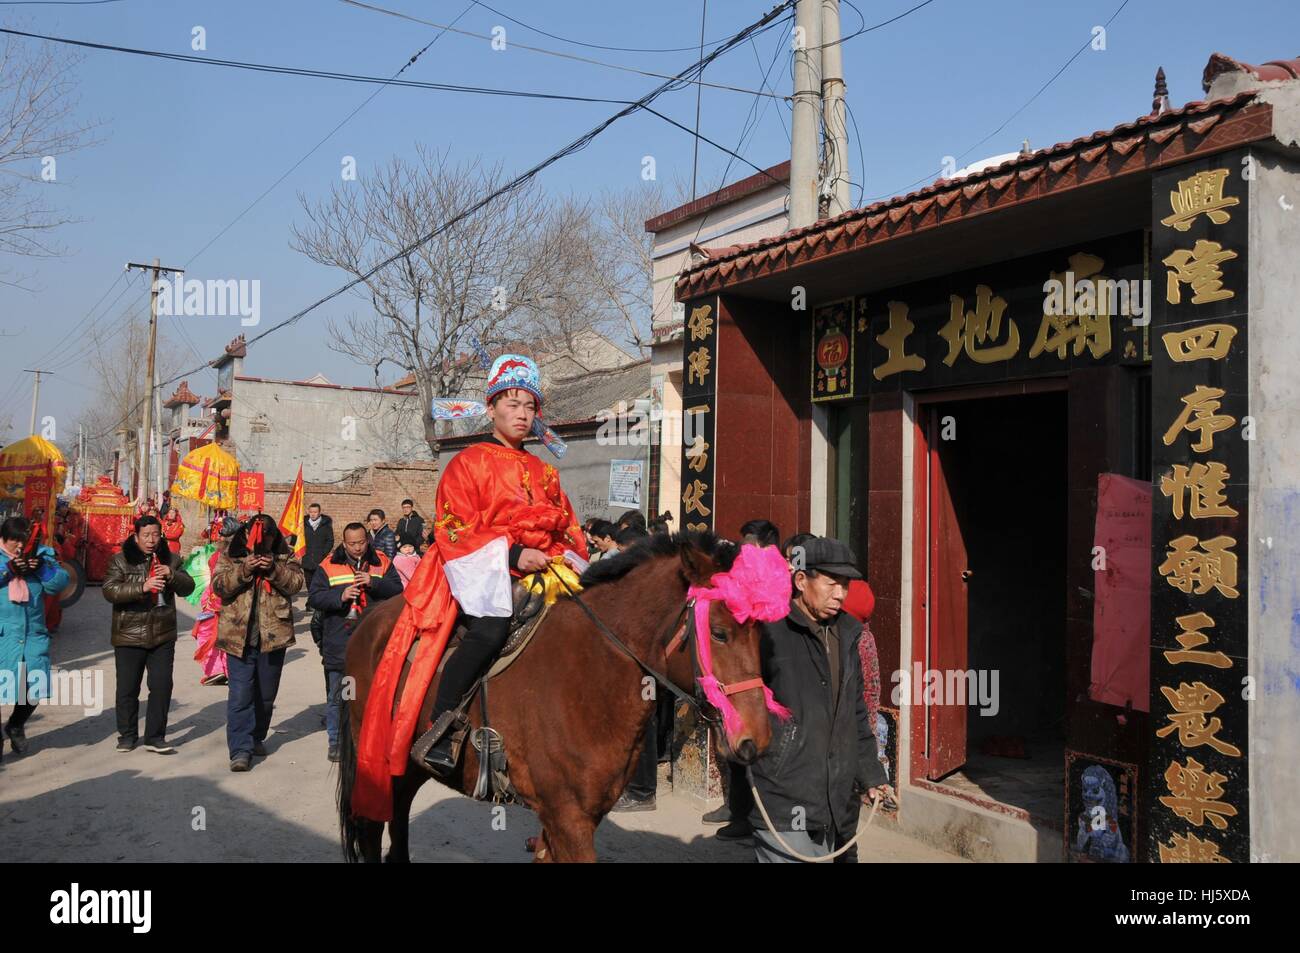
column 291, row 521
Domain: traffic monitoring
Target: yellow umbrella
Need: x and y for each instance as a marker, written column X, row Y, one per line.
column 209, row 476
column 31, row 456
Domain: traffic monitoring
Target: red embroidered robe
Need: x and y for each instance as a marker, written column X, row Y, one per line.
column 491, row 498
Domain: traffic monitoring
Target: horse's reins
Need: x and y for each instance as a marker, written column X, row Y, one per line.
column 807, row 858
column 695, row 703
column 605, row 630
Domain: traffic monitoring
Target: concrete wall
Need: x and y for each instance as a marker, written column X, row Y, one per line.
column 749, row 219
column 1274, row 629
column 670, row 456
column 277, row 425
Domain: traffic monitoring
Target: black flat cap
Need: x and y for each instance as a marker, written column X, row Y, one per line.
column 830, row 555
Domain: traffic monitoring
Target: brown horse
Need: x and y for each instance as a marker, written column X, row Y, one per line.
column 573, row 708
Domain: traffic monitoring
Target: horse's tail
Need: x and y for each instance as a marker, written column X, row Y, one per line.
column 349, row 826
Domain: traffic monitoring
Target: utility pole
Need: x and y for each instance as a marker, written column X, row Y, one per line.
column 806, row 118
column 837, row 133
column 160, row 452
column 146, row 423
column 36, row 394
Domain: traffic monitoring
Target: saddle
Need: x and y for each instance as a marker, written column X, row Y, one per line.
column 493, row 781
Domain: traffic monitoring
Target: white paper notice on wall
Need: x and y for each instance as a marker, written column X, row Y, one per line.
column 626, row 478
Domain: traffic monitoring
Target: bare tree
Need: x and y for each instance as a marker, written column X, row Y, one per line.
column 481, row 282
column 116, row 371
column 612, row 284
column 623, row 271
column 37, row 128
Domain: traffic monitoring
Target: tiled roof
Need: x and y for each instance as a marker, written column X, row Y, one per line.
column 583, row 397
column 183, row 395
column 1150, row 141
column 1272, row 71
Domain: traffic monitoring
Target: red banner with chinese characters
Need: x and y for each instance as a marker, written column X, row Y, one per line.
column 251, row 494
column 36, row 497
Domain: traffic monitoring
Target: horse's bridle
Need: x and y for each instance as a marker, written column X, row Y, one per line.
column 680, row 625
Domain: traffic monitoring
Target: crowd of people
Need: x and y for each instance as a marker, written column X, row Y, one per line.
column 820, row 660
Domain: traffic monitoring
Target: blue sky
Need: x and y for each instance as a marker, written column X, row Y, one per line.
column 185, row 147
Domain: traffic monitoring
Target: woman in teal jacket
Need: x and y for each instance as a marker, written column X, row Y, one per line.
column 24, row 640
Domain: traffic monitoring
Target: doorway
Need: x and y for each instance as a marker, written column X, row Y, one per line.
column 997, row 528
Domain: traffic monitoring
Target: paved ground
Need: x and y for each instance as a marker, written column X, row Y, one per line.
column 72, row 797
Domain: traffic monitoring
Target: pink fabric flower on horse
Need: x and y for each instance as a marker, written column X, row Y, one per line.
column 756, row 587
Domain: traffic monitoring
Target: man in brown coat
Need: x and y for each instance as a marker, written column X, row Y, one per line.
column 256, row 578
column 142, row 582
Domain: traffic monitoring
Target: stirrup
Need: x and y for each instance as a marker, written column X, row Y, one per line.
column 449, row 721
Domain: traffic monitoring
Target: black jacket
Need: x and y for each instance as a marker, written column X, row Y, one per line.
column 138, row 620
column 385, row 541
column 319, row 543
column 821, row 761
column 325, row 595
column 410, row 529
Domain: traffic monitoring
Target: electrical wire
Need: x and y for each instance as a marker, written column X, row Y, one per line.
column 537, row 49
column 312, row 151
column 1042, row 89
column 89, row 337
column 862, row 156
column 410, row 62
column 596, row 46
column 76, row 329
column 677, row 82
column 874, row 26
column 312, row 73
column 740, row 145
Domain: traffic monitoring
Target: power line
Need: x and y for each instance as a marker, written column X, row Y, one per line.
column 1042, row 89
column 538, row 49
column 779, row 44
column 576, row 145
column 93, row 342
column 744, row 129
column 874, row 26
column 699, row 96
column 597, row 46
column 862, row 157
column 274, row 185
column 77, row 327
column 313, row 73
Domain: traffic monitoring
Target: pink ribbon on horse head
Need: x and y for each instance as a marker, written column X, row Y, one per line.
column 756, row 587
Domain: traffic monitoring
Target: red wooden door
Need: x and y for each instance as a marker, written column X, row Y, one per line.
column 946, row 723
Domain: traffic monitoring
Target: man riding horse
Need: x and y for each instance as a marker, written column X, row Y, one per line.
column 500, row 513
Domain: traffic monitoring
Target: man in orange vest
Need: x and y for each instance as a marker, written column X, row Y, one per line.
column 348, row 581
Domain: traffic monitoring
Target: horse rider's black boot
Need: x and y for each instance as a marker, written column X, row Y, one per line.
column 439, row 759
column 484, row 638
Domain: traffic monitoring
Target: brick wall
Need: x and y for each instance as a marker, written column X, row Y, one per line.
column 383, row 485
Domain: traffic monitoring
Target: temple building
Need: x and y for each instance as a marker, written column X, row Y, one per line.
column 1051, row 405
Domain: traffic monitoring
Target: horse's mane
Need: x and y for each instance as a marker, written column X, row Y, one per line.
column 660, row 546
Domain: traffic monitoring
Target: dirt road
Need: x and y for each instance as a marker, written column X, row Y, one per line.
column 73, row 797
